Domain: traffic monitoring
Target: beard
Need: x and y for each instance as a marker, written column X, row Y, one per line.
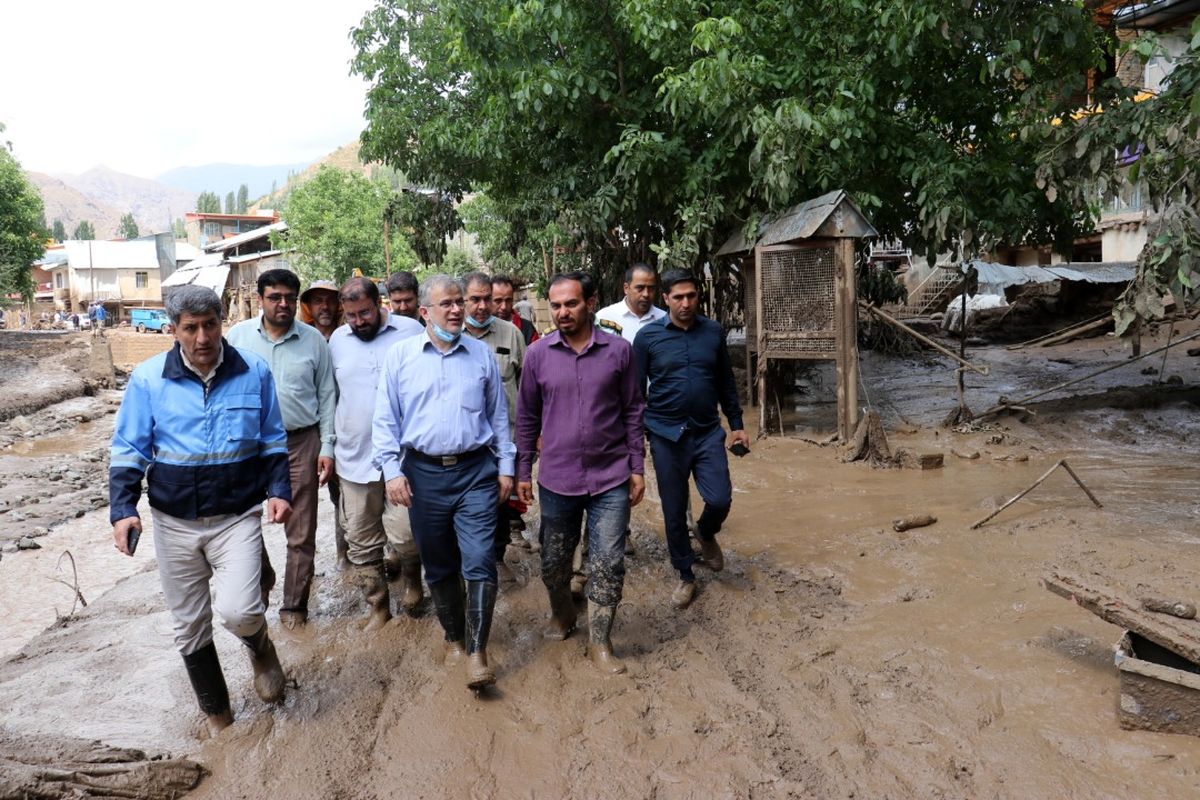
column 366, row 333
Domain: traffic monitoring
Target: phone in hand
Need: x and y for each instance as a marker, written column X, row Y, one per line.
column 134, row 535
column 738, row 449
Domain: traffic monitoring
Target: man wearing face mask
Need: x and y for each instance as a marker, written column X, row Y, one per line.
column 440, row 437
column 358, row 349
column 508, row 346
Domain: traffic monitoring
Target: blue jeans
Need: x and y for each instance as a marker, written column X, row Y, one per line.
column 702, row 455
column 607, row 519
column 453, row 517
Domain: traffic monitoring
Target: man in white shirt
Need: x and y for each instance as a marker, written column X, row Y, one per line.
column 357, row 349
column 636, row 310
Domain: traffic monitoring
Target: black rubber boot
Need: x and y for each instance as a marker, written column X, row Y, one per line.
column 562, row 613
column 208, row 682
column 481, row 602
column 269, row 681
column 448, row 602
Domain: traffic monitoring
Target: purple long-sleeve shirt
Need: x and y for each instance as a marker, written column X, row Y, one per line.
column 587, row 408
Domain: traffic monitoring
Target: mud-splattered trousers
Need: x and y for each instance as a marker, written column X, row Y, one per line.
column 700, row 454
column 607, row 519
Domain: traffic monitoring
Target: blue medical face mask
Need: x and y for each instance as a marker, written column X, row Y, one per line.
column 487, row 323
column 443, row 334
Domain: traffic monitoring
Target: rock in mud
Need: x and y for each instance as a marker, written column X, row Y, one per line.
column 27, row 543
column 21, row 424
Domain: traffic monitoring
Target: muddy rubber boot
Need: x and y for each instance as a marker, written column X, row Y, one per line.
column 371, row 580
column 562, row 614
column 578, row 584
column 269, row 681
column 684, row 594
column 448, row 602
column 208, row 682
column 391, row 563
column 710, row 551
column 599, row 649
column 411, row 594
column 266, row 581
column 342, row 563
column 481, row 601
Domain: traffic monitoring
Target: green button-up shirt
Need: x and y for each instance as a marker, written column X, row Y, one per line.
column 303, row 373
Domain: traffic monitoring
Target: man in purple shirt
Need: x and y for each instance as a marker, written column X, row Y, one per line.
column 579, row 393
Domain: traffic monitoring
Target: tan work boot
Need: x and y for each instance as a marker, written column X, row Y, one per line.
column 599, row 649
column 410, row 578
column 375, row 591
column 562, row 614
column 684, row 594
column 710, row 551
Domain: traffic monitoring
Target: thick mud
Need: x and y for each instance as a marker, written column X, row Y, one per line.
column 833, row 657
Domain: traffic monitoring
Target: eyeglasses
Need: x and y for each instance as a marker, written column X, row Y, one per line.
column 446, row 305
column 280, row 298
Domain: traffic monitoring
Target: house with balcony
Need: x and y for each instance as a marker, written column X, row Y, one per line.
column 206, row 229
column 120, row 275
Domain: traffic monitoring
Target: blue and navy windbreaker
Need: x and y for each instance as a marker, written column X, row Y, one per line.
column 203, row 452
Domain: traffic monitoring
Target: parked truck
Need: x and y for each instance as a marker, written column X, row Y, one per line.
column 148, row 319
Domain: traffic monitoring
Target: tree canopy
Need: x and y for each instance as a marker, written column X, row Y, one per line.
column 128, row 227
column 58, row 231
column 335, row 225
column 208, row 203
column 666, row 124
column 22, row 230
column 84, row 231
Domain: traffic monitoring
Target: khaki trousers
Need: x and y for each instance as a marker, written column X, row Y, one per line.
column 225, row 550
column 304, row 446
column 370, row 520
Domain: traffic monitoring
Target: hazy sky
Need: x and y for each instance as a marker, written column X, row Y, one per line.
column 142, row 86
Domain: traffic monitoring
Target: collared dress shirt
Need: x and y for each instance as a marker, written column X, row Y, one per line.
column 357, row 366
column 439, row 404
column 508, row 346
column 303, row 374
column 620, row 313
column 587, row 408
column 689, row 374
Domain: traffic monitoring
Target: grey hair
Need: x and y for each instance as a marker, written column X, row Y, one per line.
column 199, row 301
column 425, row 295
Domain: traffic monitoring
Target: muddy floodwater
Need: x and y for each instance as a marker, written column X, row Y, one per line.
column 833, row 657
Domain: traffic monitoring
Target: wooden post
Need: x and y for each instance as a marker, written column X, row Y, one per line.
column 387, row 248
column 846, row 316
column 761, row 369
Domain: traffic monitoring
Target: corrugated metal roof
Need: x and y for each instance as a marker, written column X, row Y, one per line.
column 185, row 251
column 833, row 215
column 1087, row 272
column 242, row 238
column 186, row 275
column 253, row 256
column 112, row 255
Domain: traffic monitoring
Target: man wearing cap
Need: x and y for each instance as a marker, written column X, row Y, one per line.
column 299, row 360
column 200, row 424
column 320, row 308
column 358, row 349
column 441, row 440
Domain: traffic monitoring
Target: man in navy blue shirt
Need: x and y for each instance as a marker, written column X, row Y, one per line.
column 683, row 366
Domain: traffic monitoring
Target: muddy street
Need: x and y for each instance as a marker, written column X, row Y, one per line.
column 834, row 657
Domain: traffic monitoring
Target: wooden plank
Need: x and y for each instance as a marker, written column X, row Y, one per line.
column 1177, row 635
column 1074, row 333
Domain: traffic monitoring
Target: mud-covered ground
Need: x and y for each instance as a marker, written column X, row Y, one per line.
column 833, row 657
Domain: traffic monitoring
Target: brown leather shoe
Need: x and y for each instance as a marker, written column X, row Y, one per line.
column 711, row 552
column 684, row 594
column 479, row 674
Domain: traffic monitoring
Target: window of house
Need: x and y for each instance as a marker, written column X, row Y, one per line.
column 141, row 279
column 58, row 280
column 212, row 230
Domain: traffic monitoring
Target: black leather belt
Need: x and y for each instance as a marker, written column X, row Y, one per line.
column 445, row 461
column 305, row 429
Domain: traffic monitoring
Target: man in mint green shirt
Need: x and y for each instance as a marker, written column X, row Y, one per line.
column 304, row 383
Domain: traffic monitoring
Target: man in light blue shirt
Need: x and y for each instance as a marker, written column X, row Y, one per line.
column 441, row 440
column 303, row 373
column 358, row 349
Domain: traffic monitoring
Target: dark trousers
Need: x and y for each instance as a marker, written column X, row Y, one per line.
column 607, row 519
column 453, row 516
column 700, row 455
column 304, row 447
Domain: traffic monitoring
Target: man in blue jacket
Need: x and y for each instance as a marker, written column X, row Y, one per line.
column 201, row 422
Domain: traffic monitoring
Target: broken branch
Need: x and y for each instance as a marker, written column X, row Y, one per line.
column 1060, row 463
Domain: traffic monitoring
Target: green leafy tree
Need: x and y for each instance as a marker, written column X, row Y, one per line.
column 425, row 219
column 208, row 203
column 128, row 227
column 179, row 228
column 646, row 127
column 230, row 207
column 59, row 231
column 84, row 231
column 458, row 261
column 243, row 198
column 22, row 230
column 335, row 225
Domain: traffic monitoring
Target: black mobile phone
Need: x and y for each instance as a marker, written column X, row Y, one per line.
column 134, row 535
column 738, row 449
